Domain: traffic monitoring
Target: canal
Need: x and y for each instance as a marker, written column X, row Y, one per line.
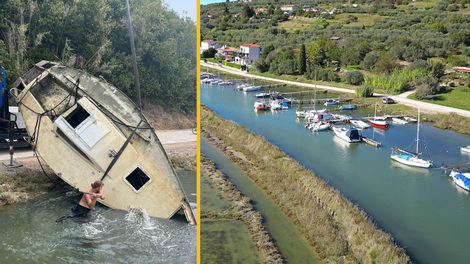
column 29, row 233
column 421, row 208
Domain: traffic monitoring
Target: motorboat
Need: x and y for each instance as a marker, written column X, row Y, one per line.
column 465, row 149
column 315, row 127
column 409, row 119
column 260, row 106
column 461, row 179
column 359, row 123
column 262, row 95
column 319, row 117
column 347, row 107
column 252, row 88
column 347, row 133
column 331, row 102
column 85, row 130
column 399, row 121
column 408, row 157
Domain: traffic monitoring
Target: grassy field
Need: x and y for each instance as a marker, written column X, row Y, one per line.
column 339, row 230
column 456, row 97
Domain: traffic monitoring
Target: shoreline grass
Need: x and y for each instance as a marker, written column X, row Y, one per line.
column 338, row 229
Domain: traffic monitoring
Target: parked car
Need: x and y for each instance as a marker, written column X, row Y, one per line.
column 429, row 96
column 387, row 100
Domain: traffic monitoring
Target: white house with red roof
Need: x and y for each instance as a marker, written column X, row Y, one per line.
column 228, row 52
column 250, row 52
column 207, row 44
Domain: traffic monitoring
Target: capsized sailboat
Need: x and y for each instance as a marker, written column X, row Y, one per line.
column 408, row 157
column 85, row 129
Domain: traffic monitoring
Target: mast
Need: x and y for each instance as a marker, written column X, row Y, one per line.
column 315, row 96
column 417, row 135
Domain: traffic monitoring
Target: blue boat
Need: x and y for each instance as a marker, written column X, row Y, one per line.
column 347, row 107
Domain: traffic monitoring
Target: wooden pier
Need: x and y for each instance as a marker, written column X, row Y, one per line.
column 313, row 101
column 445, row 168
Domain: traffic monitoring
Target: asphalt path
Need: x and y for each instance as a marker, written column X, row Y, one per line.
column 166, row 137
column 424, row 106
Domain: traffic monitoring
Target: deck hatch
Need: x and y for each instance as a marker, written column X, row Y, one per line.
column 77, row 116
column 137, row 179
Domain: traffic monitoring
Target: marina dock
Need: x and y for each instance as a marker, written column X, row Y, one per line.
column 445, row 168
column 372, row 142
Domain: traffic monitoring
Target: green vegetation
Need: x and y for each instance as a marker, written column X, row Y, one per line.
column 401, row 38
column 457, row 97
column 186, row 163
column 93, row 36
column 339, row 230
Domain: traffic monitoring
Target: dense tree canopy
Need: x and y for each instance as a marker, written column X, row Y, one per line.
column 93, row 36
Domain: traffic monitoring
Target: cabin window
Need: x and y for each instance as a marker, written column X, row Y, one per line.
column 137, row 179
column 77, row 116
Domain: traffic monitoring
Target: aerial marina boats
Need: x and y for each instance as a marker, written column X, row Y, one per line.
column 461, row 179
column 408, row 157
column 85, row 129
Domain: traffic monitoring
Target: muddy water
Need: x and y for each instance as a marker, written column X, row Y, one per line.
column 292, row 245
column 29, row 234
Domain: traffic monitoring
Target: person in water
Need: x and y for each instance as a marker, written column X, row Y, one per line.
column 87, row 202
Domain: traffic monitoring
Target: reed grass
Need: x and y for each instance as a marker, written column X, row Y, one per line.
column 338, row 229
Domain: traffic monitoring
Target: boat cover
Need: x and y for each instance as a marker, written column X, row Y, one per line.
column 465, row 180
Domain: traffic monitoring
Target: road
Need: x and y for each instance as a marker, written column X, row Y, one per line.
column 401, row 98
column 174, row 141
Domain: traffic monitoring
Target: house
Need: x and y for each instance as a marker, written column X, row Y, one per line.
column 249, row 53
column 316, row 9
column 211, row 15
column 290, row 8
column 207, row 44
column 262, row 10
column 306, row 7
column 228, row 52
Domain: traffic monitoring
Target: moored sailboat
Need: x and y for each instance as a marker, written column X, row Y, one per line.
column 408, row 157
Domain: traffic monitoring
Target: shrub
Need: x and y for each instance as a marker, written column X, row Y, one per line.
column 369, row 60
column 353, row 77
column 365, row 90
column 422, row 90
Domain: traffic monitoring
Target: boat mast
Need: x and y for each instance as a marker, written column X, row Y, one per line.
column 417, row 135
column 315, row 95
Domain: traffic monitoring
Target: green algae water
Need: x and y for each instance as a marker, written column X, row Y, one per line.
column 211, row 199
column 233, row 243
column 29, row 233
column 292, row 245
column 424, row 211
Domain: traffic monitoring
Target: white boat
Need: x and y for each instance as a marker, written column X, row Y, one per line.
column 262, row 95
column 331, row 102
column 461, row 179
column 319, row 117
column 315, row 127
column 399, row 121
column 410, row 120
column 241, row 86
column 311, row 112
column 380, row 122
column 223, row 83
column 359, row 123
column 260, row 106
column 408, row 157
column 252, row 88
column 98, row 133
column 465, row 149
column 347, row 133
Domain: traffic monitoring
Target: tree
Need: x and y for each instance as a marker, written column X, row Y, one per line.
column 208, row 53
column 287, row 67
column 353, row 77
column 267, row 50
column 385, row 64
column 302, row 61
column 247, row 12
column 369, row 60
column 350, row 56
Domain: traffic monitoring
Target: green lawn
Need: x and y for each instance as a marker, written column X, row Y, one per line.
column 457, row 97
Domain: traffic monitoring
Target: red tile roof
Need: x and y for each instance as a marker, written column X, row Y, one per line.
column 251, row 45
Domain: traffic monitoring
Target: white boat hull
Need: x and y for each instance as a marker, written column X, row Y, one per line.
column 412, row 161
column 344, row 133
column 460, row 182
